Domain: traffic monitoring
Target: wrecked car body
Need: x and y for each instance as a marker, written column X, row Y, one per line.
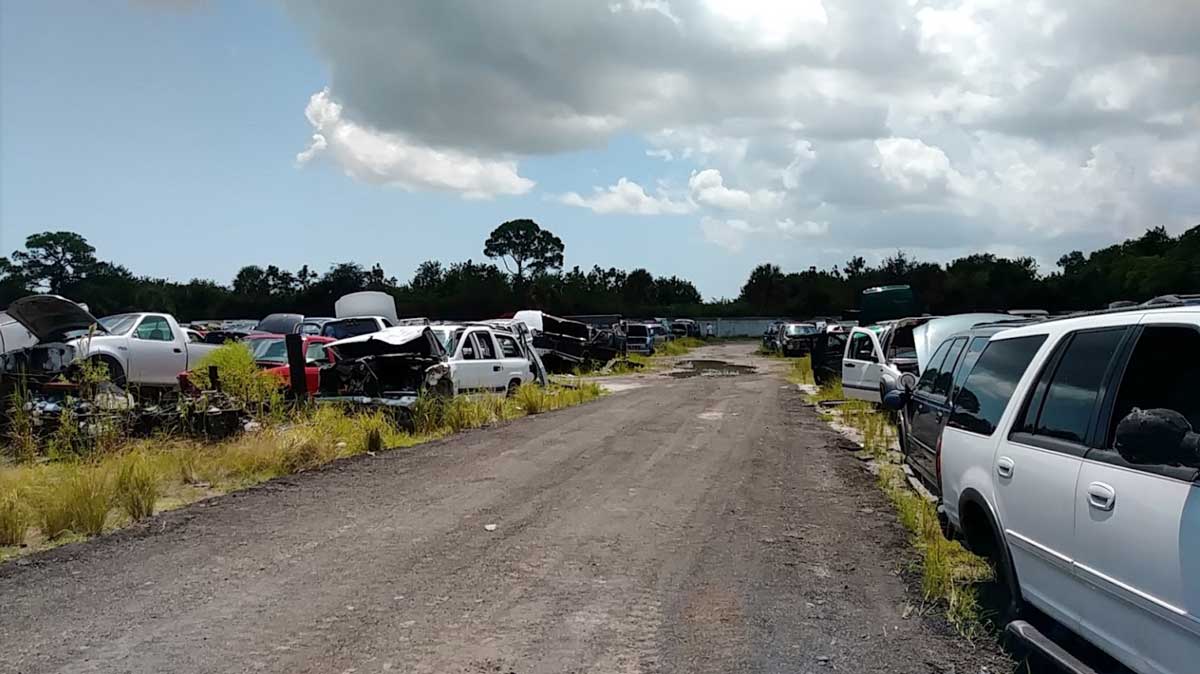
column 391, row 367
column 564, row 344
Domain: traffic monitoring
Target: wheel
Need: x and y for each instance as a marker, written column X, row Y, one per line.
column 985, row 540
column 512, row 387
column 112, row 370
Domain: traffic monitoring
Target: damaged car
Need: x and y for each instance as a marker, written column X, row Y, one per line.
column 390, row 367
column 565, row 344
column 142, row 349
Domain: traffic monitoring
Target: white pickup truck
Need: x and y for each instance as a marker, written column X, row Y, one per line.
column 144, row 349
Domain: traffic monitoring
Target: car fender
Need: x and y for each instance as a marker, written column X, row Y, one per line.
column 103, row 345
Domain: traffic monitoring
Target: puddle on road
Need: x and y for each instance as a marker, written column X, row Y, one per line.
column 709, row 368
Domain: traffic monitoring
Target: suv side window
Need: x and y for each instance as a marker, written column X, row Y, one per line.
column 508, row 346
column 487, row 351
column 941, row 385
column 1064, row 408
column 988, row 388
column 1162, row 374
column 861, row 347
column 925, row 385
column 968, row 362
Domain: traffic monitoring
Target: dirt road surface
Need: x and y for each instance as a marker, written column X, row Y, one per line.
column 704, row 524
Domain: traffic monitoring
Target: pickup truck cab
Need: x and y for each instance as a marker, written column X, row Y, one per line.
column 877, row 352
column 144, row 349
column 1070, row 459
column 483, row 360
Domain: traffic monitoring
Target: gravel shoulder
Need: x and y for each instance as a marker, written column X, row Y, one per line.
column 710, row 524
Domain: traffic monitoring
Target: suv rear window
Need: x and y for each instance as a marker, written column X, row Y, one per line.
column 987, row 390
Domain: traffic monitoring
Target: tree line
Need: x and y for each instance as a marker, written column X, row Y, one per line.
column 531, row 274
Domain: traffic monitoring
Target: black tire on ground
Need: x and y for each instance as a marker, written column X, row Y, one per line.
column 983, row 539
column 512, row 387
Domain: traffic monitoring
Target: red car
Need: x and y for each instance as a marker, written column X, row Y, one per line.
column 270, row 352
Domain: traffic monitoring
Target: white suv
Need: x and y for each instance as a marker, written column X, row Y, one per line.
column 1069, row 459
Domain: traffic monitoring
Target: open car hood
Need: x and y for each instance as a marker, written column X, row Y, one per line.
column 417, row 340
column 930, row 335
column 48, row 317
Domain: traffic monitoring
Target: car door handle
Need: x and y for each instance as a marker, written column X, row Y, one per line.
column 1101, row 496
column 1004, row 466
column 850, row 365
column 496, row 368
column 177, row 350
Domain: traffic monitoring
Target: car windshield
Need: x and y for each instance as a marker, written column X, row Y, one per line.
column 119, row 324
column 315, row 354
column 637, row 331
column 268, row 349
column 802, row 329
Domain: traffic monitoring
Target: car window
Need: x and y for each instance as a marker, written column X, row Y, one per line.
column 1162, row 373
column 508, row 346
column 1070, row 399
column 487, row 350
column 310, row 329
column 968, row 361
column 155, row 329
column 349, row 327
column 987, row 390
column 925, row 385
column 945, row 377
column 861, row 347
column 315, row 354
column 468, row 348
column 195, row 337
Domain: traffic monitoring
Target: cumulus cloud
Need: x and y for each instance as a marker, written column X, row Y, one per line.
column 708, row 188
column 954, row 123
column 392, row 159
column 627, row 197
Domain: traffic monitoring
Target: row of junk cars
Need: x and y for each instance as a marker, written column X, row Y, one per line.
column 1065, row 450
column 366, row 354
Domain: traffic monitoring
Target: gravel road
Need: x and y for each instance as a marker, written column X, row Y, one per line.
column 706, row 524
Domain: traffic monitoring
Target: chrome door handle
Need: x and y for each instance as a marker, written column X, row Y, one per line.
column 1101, row 496
column 1004, row 466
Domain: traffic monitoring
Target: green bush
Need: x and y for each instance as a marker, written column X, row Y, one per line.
column 240, row 377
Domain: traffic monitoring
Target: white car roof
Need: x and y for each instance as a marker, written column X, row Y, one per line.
column 1057, row 326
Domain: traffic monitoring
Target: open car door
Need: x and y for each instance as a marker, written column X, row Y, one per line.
column 861, row 366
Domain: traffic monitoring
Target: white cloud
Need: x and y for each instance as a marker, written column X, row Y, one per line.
column 728, row 234
column 943, row 123
column 391, row 159
column 627, row 197
column 808, row 228
column 708, row 188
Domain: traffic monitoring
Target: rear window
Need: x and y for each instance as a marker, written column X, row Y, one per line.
column 636, row 331
column 350, row 327
column 988, row 388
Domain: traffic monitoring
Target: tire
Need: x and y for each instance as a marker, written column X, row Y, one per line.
column 1005, row 595
column 116, row 373
column 512, row 388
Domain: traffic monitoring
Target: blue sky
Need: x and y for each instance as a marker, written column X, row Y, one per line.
column 167, row 133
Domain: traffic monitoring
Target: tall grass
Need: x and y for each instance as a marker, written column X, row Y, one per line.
column 14, row 517
column 138, row 485
column 801, row 371
column 138, row 477
column 677, row 347
column 949, row 573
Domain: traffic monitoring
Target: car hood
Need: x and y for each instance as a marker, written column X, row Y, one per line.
column 48, row 317
column 930, row 335
column 398, row 340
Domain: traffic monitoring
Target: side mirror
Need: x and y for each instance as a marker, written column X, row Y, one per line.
column 1158, row 437
column 895, row 399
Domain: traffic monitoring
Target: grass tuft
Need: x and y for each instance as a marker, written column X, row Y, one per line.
column 138, row 486
column 801, row 371
column 14, row 518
